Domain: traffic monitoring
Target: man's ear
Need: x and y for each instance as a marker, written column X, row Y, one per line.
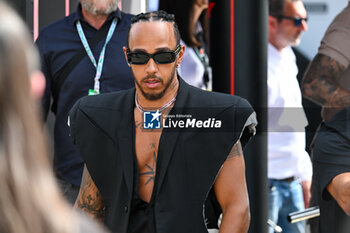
column 180, row 56
column 126, row 56
column 272, row 23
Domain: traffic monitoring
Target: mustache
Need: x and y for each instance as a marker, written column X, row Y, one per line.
column 152, row 77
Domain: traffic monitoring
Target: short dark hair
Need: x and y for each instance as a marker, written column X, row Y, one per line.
column 155, row 16
column 276, row 7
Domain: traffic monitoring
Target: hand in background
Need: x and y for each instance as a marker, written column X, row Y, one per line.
column 306, row 186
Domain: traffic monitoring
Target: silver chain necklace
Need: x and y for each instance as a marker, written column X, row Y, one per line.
column 141, row 109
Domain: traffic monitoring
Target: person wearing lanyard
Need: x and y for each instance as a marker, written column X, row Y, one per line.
column 191, row 16
column 101, row 69
column 87, row 48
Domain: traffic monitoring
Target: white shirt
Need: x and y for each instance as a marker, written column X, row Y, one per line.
column 286, row 118
column 191, row 69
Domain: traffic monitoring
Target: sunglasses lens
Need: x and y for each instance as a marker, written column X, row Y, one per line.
column 164, row 57
column 138, row 58
column 141, row 58
column 297, row 22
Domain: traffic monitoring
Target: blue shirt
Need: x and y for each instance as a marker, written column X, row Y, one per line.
column 57, row 44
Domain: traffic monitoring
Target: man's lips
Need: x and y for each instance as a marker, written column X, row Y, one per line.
column 152, row 83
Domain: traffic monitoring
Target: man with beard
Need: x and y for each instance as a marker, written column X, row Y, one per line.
column 143, row 174
column 81, row 54
column 289, row 165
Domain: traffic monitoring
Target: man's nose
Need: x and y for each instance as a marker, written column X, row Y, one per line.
column 151, row 66
column 303, row 25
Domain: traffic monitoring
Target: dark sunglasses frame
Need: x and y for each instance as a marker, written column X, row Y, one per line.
column 297, row 20
column 155, row 56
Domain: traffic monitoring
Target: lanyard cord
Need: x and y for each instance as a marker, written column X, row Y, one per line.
column 201, row 54
column 203, row 57
column 200, row 51
column 98, row 65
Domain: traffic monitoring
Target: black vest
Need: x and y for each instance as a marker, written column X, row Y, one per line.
column 189, row 159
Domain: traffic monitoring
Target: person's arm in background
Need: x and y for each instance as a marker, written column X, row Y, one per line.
column 339, row 188
column 45, row 69
column 319, row 83
column 305, row 175
column 306, row 182
column 306, row 186
column 89, row 199
column 231, row 192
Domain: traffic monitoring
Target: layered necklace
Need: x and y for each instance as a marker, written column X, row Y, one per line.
column 165, row 106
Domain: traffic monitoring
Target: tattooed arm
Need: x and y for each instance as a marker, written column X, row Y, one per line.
column 319, row 83
column 231, row 192
column 89, row 198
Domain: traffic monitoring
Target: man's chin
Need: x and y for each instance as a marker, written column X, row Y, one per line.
column 152, row 96
column 102, row 9
column 296, row 42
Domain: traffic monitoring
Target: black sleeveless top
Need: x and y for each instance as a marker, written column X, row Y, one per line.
column 189, row 162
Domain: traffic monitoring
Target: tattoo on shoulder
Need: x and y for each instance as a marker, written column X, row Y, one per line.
column 89, row 199
column 151, row 169
column 319, row 83
column 343, row 101
column 236, row 150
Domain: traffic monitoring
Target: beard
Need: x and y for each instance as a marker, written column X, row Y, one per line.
column 156, row 96
column 91, row 7
column 296, row 42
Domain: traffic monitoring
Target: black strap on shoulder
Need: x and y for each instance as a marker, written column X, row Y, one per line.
column 62, row 75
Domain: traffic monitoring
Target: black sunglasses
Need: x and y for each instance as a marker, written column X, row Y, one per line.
column 297, row 20
column 141, row 58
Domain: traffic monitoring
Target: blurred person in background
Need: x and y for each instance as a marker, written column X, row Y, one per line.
column 29, row 199
column 331, row 161
column 81, row 54
column 327, row 83
column 289, row 165
column 192, row 19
